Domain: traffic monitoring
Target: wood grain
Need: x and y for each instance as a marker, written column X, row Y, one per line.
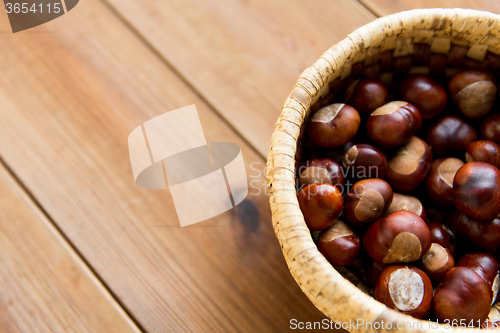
column 243, row 57
column 387, row 7
column 72, row 91
column 45, row 285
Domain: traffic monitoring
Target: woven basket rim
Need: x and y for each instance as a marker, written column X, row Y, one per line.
column 329, row 291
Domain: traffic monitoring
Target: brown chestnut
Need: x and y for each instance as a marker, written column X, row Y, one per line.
column 473, row 92
column 464, row 297
column 425, row 93
column 490, row 128
column 365, row 161
column 366, row 95
column 486, row 266
column 367, row 200
column 437, row 262
column 439, row 183
column 406, row 202
column 339, row 244
column 321, row 170
column 406, row 289
column 450, row 135
column 321, row 205
column 333, row 125
column 484, row 151
column 409, row 166
column 484, row 234
column 399, row 237
column 476, row 190
column 443, row 236
column 393, row 124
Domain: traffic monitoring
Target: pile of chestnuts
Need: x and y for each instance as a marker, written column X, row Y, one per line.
column 403, row 186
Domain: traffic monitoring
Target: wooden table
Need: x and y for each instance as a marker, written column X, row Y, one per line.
column 82, row 248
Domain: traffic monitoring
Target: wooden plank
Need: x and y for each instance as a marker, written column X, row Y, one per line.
column 69, row 99
column 243, row 57
column 387, row 7
column 46, row 287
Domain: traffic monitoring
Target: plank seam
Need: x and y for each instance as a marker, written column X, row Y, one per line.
column 177, row 72
column 37, row 205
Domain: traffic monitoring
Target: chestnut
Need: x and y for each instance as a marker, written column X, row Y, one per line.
column 365, row 161
column 321, row 205
column 406, row 289
column 437, row 262
column 463, row 296
column 473, row 92
column 486, row 266
column 409, row 166
column 450, row 135
column 339, row 244
column 443, row 236
column 367, row 200
column 399, row 237
column 366, row 95
column 333, row 125
column 321, row 170
column 439, row 183
column 490, row 128
column 484, row 234
column 406, row 202
column 484, row 151
column 425, row 93
column 476, row 190
column 393, row 124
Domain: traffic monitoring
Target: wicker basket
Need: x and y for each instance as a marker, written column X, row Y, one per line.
column 436, row 41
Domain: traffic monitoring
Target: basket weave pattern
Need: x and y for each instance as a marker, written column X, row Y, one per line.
column 453, row 38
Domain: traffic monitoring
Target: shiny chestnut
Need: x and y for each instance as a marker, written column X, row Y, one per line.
column 443, row 236
column 490, row 128
column 366, row 95
column 393, row 124
column 476, row 190
column 339, row 244
column 484, row 151
column 406, row 202
column 425, row 93
column 463, row 296
column 333, row 125
column 473, row 92
column 409, row 166
column 321, row 170
column 367, row 200
column 321, row 205
column 486, row 266
column 397, row 238
column 437, row 262
column 365, row 161
column 484, row 234
column 406, row 289
column 439, row 183
column 450, row 135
